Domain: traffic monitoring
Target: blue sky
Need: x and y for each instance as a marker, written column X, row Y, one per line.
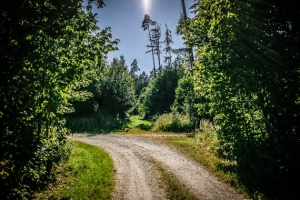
column 125, row 18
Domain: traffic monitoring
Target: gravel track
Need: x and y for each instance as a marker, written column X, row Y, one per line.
column 135, row 178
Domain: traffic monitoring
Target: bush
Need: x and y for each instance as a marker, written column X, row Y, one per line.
column 26, row 171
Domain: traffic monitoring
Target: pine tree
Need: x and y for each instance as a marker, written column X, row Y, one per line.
column 168, row 50
column 153, row 73
column 134, row 68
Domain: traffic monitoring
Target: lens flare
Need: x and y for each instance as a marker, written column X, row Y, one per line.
column 146, row 6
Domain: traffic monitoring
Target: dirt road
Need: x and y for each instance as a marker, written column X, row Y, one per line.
column 135, row 177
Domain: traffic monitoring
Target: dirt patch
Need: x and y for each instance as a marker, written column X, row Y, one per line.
column 135, row 177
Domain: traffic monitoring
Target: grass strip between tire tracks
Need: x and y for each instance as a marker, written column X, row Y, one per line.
column 172, row 186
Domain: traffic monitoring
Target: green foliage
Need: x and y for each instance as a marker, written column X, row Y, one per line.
column 97, row 123
column 248, row 67
column 114, row 92
column 188, row 103
column 141, row 81
column 113, row 98
column 137, row 124
column 173, row 123
column 159, row 95
column 87, row 174
column 48, row 50
column 207, row 136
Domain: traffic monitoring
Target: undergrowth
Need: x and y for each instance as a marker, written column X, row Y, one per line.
column 99, row 123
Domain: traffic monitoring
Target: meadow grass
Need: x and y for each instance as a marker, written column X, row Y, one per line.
column 137, row 120
column 172, row 123
column 137, row 124
column 88, row 174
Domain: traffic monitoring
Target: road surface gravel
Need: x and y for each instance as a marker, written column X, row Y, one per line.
column 135, row 176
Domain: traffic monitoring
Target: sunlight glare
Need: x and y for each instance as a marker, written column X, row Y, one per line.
column 146, row 5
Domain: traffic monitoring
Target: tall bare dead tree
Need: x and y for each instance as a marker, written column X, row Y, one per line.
column 147, row 22
column 155, row 37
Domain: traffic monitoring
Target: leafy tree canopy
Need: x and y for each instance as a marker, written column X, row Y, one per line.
column 48, row 49
column 159, row 95
column 248, row 66
column 115, row 93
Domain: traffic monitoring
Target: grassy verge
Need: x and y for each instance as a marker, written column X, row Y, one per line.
column 172, row 185
column 88, row 174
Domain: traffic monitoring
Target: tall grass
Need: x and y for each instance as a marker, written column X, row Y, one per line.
column 206, row 136
column 173, row 123
column 88, row 174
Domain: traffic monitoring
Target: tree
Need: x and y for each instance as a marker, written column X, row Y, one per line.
column 147, row 22
column 154, row 38
column 159, row 95
column 180, row 54
column 168, row 50
column 123, row 62
column 153, row 73
column 47, row 51
column 115, row 93
column 182, row 19
column 248, row 66
column 155, row 41
column 134, row 68
column 141, row 80
column 187, row 102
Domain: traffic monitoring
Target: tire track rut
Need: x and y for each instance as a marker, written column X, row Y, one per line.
column 135, row 178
